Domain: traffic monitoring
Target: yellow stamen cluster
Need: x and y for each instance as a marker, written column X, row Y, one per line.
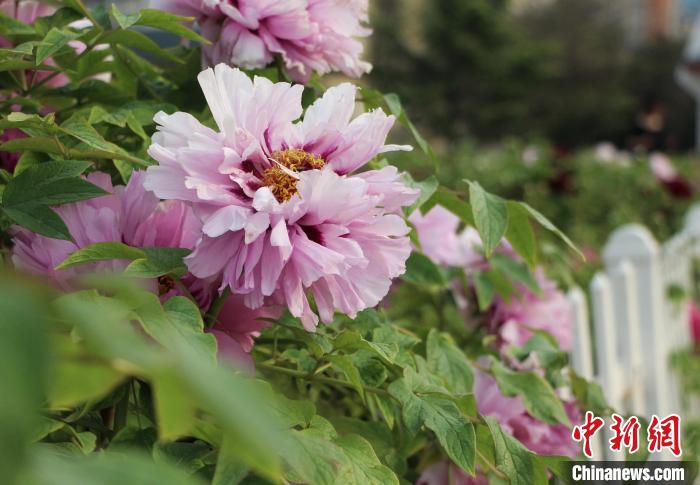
column 282, row 184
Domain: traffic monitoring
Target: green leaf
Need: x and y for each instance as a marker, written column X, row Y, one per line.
column 427, row 188
column 174, row 408
column 36, row 143
column 23, row 371
column 589, row 395
column 50, row 183
column 394, row 104
column 362, row 466
column 139, row 41
column 170, row 23
column 421, row 270
column 514, row 460
column 158, row 262
column 229, row 471
column 446, row 360
column 101, row 252
column 538, row 396
column 53, row 42
column 516, row 271
column 520, row 234
column 55, row 192
column 547, row 224
column 344, row 364
column 74, row 380
column 421, row 405
column 124, row 21
column 452, row 203
column 105, row 468
column 485, row 290
column 490, row 216
column 41, row 220
column 11, row 26
column 351, row 340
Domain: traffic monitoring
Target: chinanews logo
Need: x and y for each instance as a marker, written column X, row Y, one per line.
column 663, row 435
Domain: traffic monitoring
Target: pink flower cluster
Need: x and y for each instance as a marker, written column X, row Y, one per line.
column 135, row 217
column 513, row 322
column 282, row 211
column 309, row 35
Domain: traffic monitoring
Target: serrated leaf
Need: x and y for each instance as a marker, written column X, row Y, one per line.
column 490, row 216
column 101, row 252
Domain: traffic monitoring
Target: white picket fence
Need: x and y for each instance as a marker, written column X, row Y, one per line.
column 634, row 325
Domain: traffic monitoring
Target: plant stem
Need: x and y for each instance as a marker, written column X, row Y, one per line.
column 213, row 313
column 318, row 378
column 121, row 412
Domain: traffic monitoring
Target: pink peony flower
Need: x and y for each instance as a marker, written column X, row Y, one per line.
column 537, row 436
column 515, row 320
column 440, row 240
column 309, row 35
column 662, row 167
column 8, row 160
column 130, row 215
column 236, row 327
column 281, row 213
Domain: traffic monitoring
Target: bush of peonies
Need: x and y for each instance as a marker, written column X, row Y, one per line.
column 167, row 265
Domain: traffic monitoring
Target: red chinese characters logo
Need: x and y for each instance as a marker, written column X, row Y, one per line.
column 587, row 431
column 665, row 434
column 625, row 433
column 662, row 434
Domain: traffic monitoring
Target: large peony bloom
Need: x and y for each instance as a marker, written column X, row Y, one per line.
column 309, row 35
column 281, row 213
column 515, row 320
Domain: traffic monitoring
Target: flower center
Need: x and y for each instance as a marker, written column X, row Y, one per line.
column 281, row 178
